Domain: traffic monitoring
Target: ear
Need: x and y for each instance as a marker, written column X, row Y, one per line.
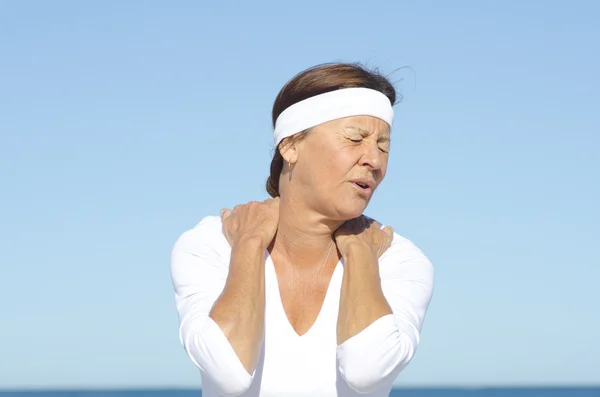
column 289, row 150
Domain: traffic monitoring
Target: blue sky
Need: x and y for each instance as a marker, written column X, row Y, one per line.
column 122, row 124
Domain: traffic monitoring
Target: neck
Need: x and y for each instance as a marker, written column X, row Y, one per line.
column 304, row 237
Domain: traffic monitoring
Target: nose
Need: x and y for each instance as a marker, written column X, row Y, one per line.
column 372, row 157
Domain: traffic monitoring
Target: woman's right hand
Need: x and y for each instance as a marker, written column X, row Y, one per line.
column 252, row 220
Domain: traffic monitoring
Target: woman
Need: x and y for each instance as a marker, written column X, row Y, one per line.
column 301, row 294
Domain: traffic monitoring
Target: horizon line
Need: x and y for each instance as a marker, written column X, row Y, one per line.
column 92, row 388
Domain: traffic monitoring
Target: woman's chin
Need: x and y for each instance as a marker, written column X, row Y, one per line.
column 350, row 211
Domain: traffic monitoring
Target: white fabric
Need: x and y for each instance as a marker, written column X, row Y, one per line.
column 308, row 365
column 331, row 106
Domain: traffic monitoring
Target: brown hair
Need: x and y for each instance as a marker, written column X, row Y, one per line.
column 319, row 80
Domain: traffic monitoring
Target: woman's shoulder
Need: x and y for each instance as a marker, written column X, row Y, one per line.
column 204, row 238
column 405, row 256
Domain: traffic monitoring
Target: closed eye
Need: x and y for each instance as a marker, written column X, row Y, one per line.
column 384, row 145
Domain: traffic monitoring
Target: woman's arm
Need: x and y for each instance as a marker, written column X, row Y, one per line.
column 218, row 300
column 382, row 309
column 240, row 309
column 361, row 300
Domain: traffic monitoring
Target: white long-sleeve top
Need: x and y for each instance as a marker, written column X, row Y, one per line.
column 311, row 364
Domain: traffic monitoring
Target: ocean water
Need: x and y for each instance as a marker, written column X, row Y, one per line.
column 421, row 392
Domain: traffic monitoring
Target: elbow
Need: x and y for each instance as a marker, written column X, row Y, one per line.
column 365, row 373
column 210, row 351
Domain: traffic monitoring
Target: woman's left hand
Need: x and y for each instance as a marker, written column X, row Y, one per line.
column 363, row 232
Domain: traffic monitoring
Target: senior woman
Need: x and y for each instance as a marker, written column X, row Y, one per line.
column 302, row 294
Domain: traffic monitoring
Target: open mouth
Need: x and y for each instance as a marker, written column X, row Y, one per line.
column 363, row 186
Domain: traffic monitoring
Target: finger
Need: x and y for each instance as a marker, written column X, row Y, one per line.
column 238, row 208
column 389, row 231
column 225, row 212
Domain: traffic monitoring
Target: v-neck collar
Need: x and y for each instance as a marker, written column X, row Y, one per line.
column 273, row 284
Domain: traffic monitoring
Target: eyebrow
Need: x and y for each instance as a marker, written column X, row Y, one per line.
column 384, row 138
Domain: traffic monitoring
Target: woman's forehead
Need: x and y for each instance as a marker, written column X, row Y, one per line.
column 365, row 125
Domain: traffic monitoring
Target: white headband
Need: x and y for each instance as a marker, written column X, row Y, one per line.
column 331, row 106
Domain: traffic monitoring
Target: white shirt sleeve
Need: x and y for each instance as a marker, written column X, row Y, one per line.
column 375, row 356
column 199, row 267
